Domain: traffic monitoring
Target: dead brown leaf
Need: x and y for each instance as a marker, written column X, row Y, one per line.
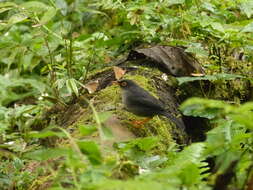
column 119, row 72
column 91, row 86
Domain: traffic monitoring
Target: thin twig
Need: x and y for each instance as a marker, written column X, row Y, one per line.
column 88, row 66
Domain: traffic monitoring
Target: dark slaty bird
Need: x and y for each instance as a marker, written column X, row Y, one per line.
column 141, row 103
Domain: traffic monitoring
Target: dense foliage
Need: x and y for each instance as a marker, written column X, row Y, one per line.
column 47, row 50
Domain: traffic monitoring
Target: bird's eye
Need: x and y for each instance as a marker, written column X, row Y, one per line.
column 123, row 84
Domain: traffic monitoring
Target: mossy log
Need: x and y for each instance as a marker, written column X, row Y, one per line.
column 144, row 69
column 151, row 68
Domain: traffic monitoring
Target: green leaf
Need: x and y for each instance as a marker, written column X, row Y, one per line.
column 192, row 153
column 197, row 49
column 200, row 107
column 190, row 175
column 198, row 110
column 244, row 114
column 7, row 4
column 45, row 133
column 248, row 28
column 92, row 151
column 16, row 19
column 217, row 26
column 34, row 6
column 63, row 6
column 71, row 86
column 107, row 132
column 214, row 108
column 46, row 154
column 103, row 116
column 247, row 7
column 87, row 129
column 48, row 15
column 143, row 144
column 219, row 76
column 208, row 6
column 3, row 9
column 175, row 2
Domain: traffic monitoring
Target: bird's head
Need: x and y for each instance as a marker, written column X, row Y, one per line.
column 126, row 84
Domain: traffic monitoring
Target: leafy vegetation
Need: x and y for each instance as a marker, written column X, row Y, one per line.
column 48, row 50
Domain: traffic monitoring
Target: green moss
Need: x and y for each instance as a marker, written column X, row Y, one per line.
column 109, row 99
column 96, row 73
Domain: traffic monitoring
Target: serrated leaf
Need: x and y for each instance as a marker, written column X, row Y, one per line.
column 192, row 153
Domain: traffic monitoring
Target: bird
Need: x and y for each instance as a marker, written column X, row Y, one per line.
column 141, row 103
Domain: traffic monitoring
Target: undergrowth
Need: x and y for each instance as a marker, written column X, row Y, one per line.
column 48, row 51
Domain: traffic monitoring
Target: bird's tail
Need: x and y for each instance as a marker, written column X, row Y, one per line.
column 179, row 123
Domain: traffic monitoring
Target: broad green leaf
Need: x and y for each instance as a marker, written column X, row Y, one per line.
column 48, row 153
column 45, row 133
column 143, row 144
column 62, row 5
column 103, row 116
column 247, row 7
column 217, row 26
column 7, row 4
column 248, row 28
column 190, row 175
column 175, row 2
column 5, row 9
column 107, row 133
column 219, row 76
column 214, row 108
column 48, row 15
column 206, row 108
column 16, row 19
column 208, row 6
column 91, row 149
column 34, row 6
column 26, row 60
column 87, row 129
column 198, row 110
column 197, row 49
column 192, row 154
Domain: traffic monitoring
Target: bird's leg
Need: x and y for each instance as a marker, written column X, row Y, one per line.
column 140, row 123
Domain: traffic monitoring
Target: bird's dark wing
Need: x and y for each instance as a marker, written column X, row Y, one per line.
column 148, row 103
